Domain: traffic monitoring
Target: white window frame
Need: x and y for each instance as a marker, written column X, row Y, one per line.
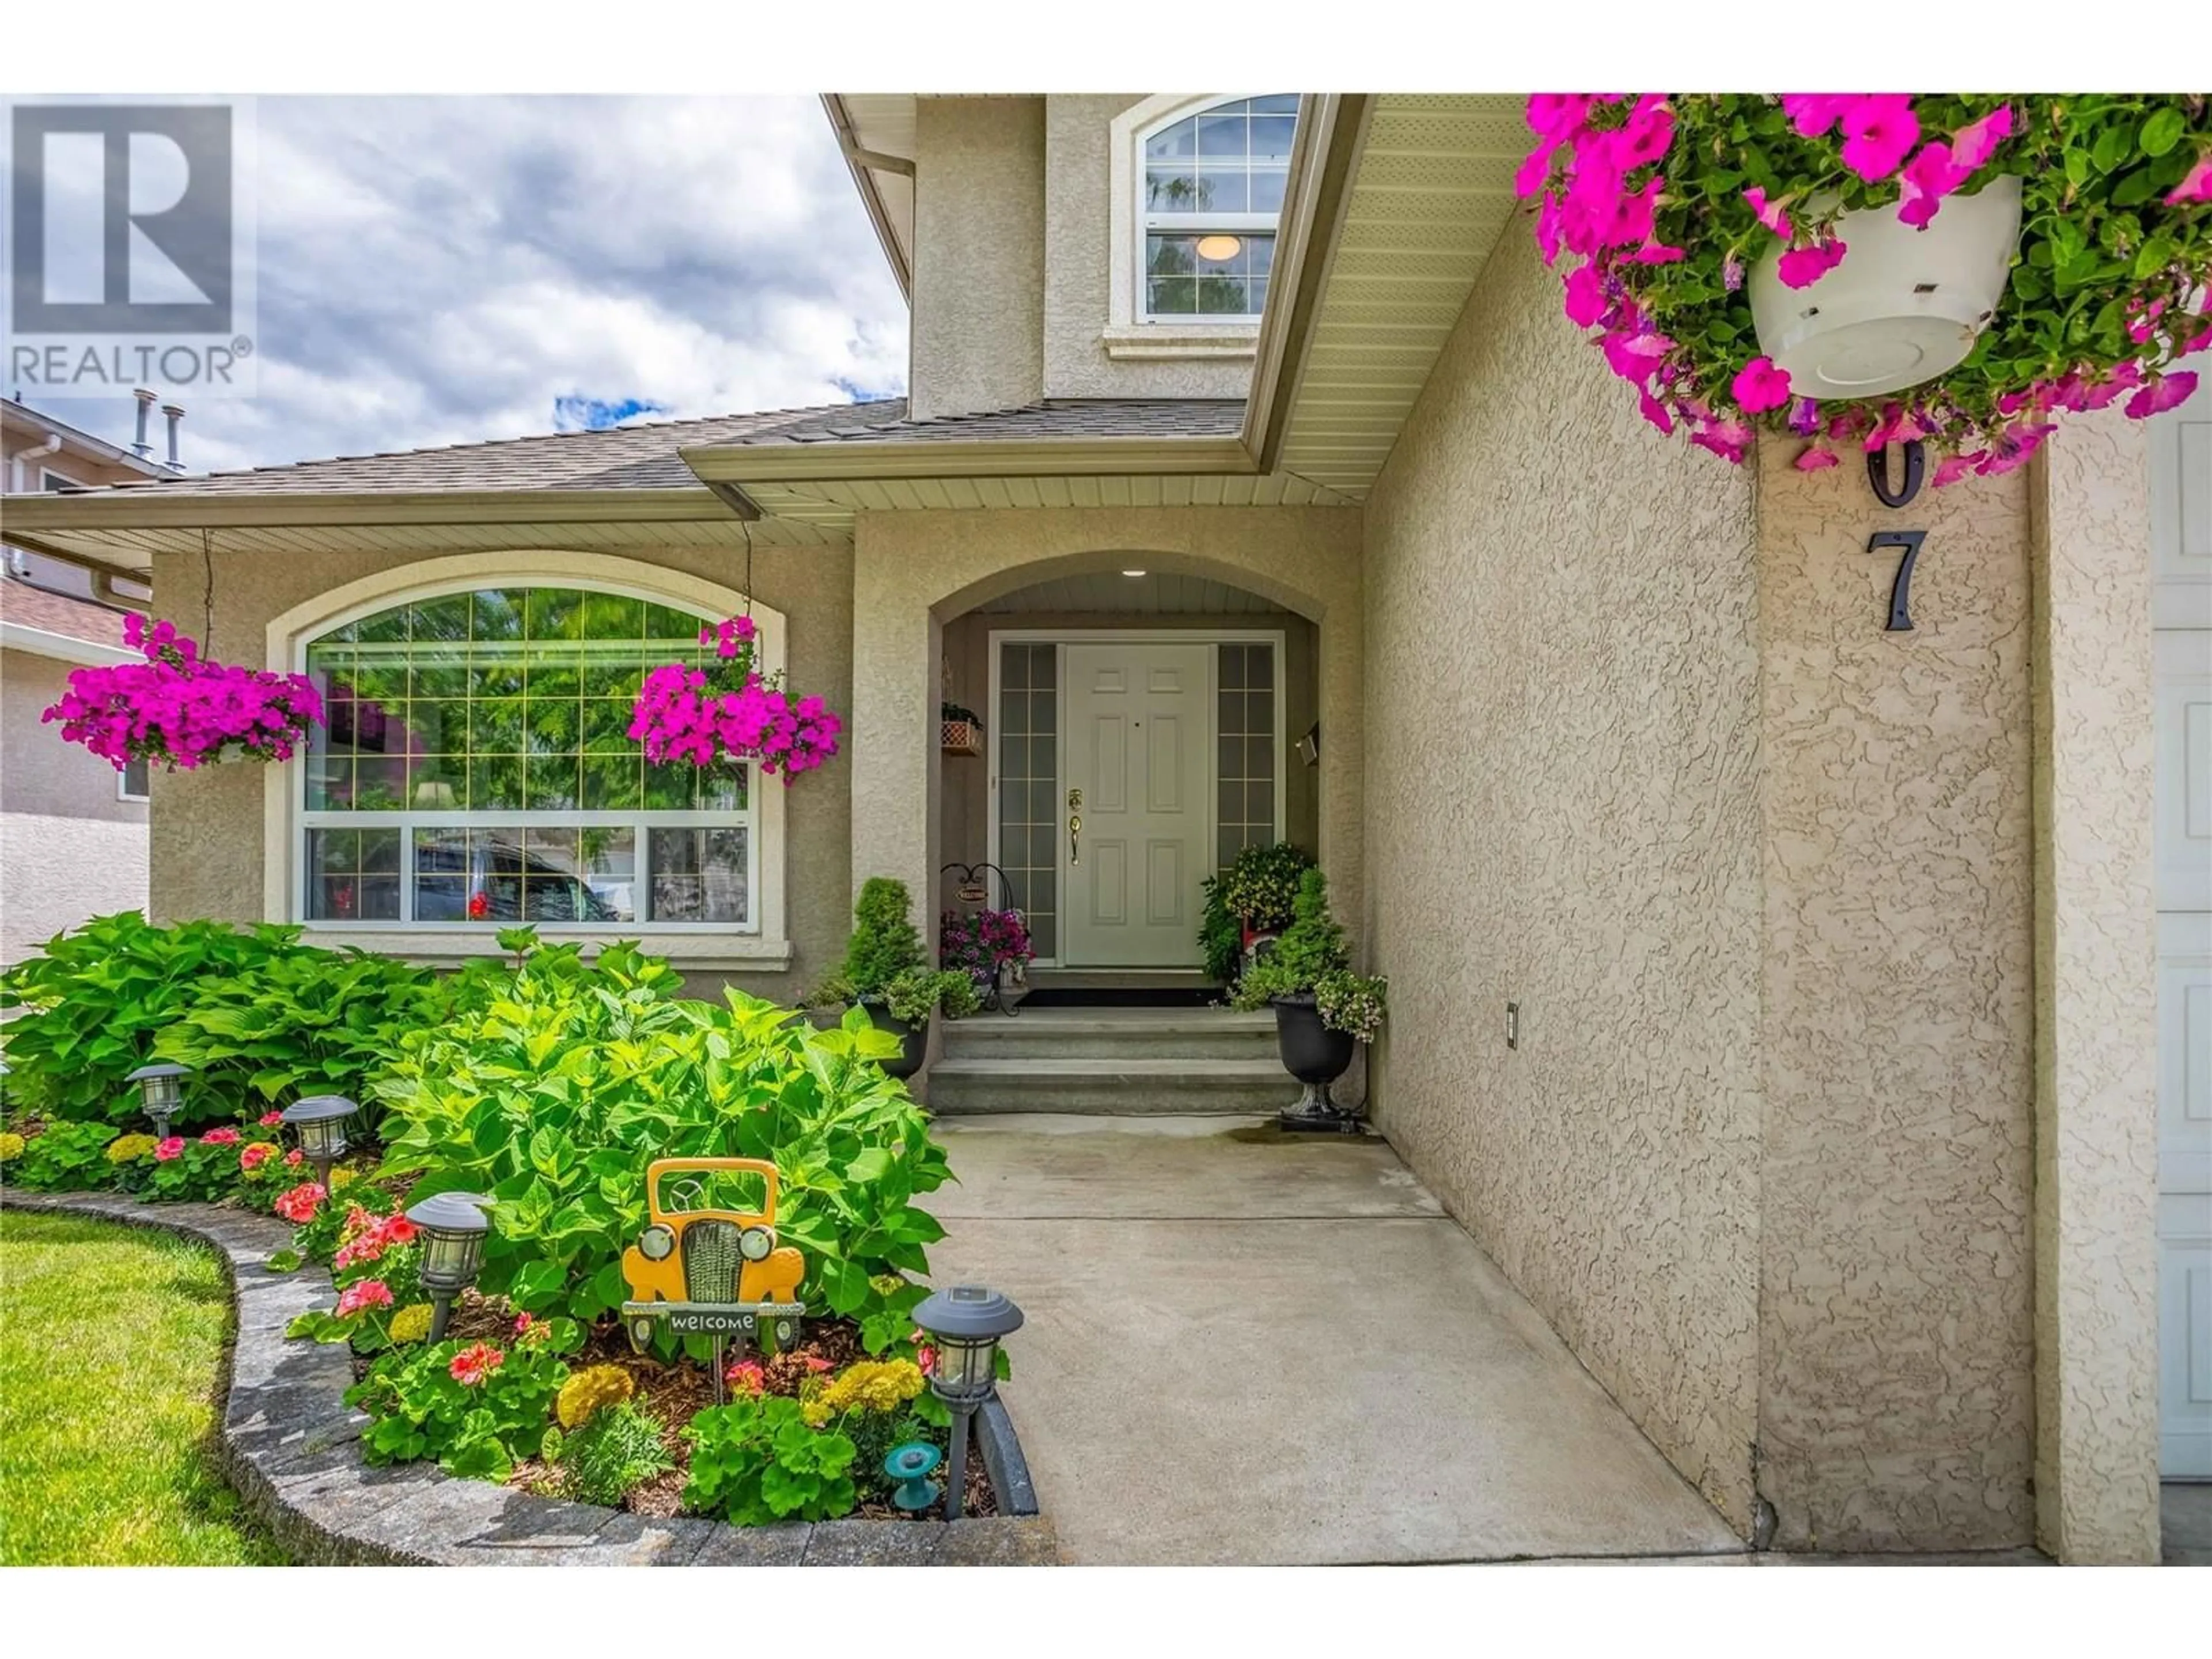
column 1131, row 330
column 1277, row 639
column 758, row 945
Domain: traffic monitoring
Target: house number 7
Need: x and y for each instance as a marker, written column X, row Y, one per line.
column 1900, row 590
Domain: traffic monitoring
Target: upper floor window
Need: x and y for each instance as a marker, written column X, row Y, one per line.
column 477, row 769
column 1210, row 194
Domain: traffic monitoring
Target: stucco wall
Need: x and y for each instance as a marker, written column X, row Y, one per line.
column 207, row 854
column 1562, row 809
column 2096, row 1141
column 975, row 339
column 1078, row 217
column 1895, row 1262
column 913, row 570
column 965, row 822
column 69, row 850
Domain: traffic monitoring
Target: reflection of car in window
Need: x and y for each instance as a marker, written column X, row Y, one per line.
column 489, row 880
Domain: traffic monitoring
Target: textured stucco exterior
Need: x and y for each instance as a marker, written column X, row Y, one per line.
column 913, row 572
column 976, row 338
column 69, row 848
column 2096, row 1166
column 1079, row 275
column 207, row 838
column 1894, row 1262
column 1562, row 807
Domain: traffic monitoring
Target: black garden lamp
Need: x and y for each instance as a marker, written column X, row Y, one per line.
column 161, row 1091
column 321, row 1122
column 453, row 1226
column 964, row 1324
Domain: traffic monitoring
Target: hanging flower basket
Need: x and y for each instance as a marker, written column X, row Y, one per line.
column 960, row 729
column 179, row 710
column 1919, row 266
column 731, row 711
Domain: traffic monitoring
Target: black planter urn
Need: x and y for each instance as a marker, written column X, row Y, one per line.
column 1316, row 1056
column 914, row 1041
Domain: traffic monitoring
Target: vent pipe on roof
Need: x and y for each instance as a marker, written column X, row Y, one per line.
column 140, row 445
column 173, row 413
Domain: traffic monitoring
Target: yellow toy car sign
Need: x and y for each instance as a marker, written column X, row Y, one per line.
column 711, row 1272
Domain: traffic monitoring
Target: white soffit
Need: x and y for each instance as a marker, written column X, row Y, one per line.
column 883, row 125
column 1433, row 193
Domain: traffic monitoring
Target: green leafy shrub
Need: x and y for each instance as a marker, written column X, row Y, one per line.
column 554, row 1089
column 1220, row 935
column 258, row 1015
column 65, row 1157
column 473, row 1407
column 756, row 1460
column 916, row 993
column 884, row 943
column 1311, row 958
column 1260, row 889
column 618, row 1450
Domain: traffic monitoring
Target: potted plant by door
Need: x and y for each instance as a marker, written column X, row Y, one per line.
column 1322, row 1009
column 1247, row 904
column 885, row 972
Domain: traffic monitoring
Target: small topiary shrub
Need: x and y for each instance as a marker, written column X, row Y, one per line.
column 884, row 943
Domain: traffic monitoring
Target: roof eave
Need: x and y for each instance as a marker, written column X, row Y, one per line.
column 856, row 160
column 135, row 508
column 61, row 647
column 1024, row 457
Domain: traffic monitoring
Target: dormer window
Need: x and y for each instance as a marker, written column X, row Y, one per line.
column 1211, row 192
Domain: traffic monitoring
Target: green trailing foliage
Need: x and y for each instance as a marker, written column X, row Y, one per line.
column 66, row 1158
column 552, row 1088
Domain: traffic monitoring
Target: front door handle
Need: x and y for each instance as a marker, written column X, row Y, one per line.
column 1074, row 826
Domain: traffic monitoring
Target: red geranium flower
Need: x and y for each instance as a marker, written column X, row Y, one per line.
column 472, row 1366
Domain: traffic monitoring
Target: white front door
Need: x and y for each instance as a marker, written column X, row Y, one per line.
column 1139, row 736
column 2181, row 540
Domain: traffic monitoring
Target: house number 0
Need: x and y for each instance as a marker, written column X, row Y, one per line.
column 1908, row 541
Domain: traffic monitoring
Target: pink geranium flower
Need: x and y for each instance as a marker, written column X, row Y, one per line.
column 472, row 1366
column 254, row 1156
column 1880, row 131
column 270, row 1119
column 747, row 1375
column 369, row 1293
column 173, row 1147
column 1759, row 386
column 222, row 1137
column 300, row 1204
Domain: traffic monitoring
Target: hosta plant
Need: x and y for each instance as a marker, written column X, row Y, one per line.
column 1655, row 205
column 180, row 709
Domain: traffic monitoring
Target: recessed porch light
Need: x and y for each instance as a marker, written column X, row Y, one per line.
column 1132, row 573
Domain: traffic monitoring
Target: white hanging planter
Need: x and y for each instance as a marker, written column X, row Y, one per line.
column 1903, row 306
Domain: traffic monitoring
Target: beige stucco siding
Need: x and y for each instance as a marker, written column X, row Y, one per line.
column 207, row 856
column 69, row 848
column 977, row 336
column 1562, row 807
column 1895, row 1268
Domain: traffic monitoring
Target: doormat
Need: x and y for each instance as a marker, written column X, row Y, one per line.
column 1131, row 996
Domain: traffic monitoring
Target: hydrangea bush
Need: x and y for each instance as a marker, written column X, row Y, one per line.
column 735, row 713
column 1663, row 202
column 179, row 708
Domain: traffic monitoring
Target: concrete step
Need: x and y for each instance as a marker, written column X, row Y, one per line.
column 1112, row 1034
column 1117, row 1086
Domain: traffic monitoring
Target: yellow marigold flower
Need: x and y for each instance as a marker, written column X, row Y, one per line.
column 590, row 1390
column 870, row 1385
column 11, row 1145
column 127, row 1148
column 411, row 1323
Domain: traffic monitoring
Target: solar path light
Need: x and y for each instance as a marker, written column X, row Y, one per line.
column 452, row 1227
column 964, row 1324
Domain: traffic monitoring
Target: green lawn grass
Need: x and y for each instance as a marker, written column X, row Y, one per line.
column 111, row 1350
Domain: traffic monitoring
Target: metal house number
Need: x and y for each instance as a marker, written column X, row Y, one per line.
column 1900, row 590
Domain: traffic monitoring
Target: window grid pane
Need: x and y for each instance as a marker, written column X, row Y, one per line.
column 1029, row 779
column 512, row 701
column 1230, row 159
column 1244, row 739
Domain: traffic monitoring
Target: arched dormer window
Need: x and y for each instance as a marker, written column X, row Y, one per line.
column 1209, row 186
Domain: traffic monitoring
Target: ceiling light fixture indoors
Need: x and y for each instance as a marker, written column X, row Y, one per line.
column 1219, row 247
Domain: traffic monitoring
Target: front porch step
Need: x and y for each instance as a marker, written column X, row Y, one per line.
column 1112, row 1034
column 1116, row 1085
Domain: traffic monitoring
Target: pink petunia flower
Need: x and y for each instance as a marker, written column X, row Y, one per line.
column 1928, row 178
column 1654, row 411
column 1729, row 440
column 1770, row 214
column 1801, row 267
column 1880, row 131
column 1816, row 459
column 1812, row 113
column 1974, row 143
column 1952, row 468
column 2195, row 185
column 2167, row 392
column 1635, row 357
column 1586, row 297
column 173, row 1147
column 1759, row 386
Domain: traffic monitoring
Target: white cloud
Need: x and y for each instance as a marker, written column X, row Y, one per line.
column 437, row 271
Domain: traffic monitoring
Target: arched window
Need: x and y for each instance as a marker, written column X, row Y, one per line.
column 1209, row 193
column 476, row 772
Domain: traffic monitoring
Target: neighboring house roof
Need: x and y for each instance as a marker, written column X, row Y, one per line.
column 647, row 456
column 27, row 422
column 50, row 624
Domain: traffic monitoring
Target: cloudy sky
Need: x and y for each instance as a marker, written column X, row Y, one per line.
column 437, row 271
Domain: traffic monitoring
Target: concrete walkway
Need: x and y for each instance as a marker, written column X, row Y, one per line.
column 1247, row 1349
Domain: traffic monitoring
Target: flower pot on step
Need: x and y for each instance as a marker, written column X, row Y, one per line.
column 1316, row 1057
column 1903, row 306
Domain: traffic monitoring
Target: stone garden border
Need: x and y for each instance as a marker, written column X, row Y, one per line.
column 289, row 1444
